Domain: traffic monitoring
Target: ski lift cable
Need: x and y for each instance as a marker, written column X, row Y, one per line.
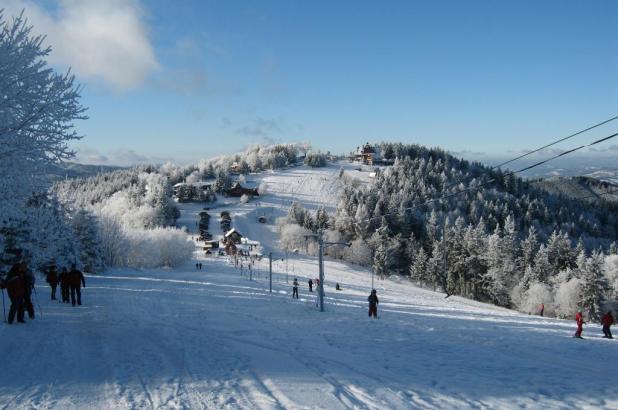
column 556, row 142
column 545, row 146
column 490, row 181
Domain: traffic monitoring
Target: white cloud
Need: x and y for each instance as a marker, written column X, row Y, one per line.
column 105, row 40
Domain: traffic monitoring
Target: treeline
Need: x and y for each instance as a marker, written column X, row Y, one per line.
column 255, row 159
column 133, row 217
column 508, row 242
column 316, row 159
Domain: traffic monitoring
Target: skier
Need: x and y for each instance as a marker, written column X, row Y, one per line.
column 337, row 287
column 295, row 289
column 76, row 279
column 579, row 319
column 64, row 280
column 310, row 285
column 197, row 266
column 52, row 279
column 542, row 309
column 373, row 304
column 607, row 320
column 15, row 287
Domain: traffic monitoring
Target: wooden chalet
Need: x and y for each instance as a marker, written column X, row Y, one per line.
column 238, row 190
column 233, row 236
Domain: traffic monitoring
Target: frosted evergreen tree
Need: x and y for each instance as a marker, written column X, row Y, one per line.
column 436, row 270
column 579, row 249
column 321, row 219
column 542, row 269
column 559, row 251
column 380, row 265
column 244, row 168
column 223, row 181
column 418, row 269
column 87, row 233
column 594, row 286
column 580, row 264
column 297, row 213
column 309, row 222
column 529, row 247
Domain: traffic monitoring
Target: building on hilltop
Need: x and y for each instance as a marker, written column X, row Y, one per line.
column 366, row 154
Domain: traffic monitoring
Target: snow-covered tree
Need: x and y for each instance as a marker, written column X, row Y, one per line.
column 594, row 286
column 86, row 229
column 418, row 269
column 567, row 298
column 537, row 294
column 380, row 264
column 610, row 270
column 316, row 159
column 37, row 109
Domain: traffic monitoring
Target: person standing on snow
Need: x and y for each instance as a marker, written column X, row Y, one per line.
column 607, row 320
column 310, row 285
column 64, row 280
column 373, row 304
column 52, row 279
column 76, row 280
column 295, row 289
column 541, row 309
column 15, row 287
column 579, row 319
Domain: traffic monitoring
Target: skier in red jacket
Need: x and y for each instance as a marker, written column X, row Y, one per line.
column 607, row 320
column 579, row 319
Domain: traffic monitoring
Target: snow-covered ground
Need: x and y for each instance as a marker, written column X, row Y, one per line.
column 181, row 338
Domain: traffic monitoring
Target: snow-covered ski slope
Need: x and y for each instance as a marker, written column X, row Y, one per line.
column 181, row 338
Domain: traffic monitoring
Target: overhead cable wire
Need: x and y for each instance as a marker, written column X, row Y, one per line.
column 556, row 142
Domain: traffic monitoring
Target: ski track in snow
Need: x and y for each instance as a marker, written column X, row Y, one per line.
column 213, row 339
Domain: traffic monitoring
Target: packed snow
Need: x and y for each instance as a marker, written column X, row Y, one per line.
column 217, row 338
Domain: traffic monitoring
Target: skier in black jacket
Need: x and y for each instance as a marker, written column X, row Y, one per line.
column 373, row 304
column 76, row 280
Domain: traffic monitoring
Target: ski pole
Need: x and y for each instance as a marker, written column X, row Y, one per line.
column 36, row 296
column 3, row 307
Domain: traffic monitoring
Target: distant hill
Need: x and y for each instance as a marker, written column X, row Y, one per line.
column 601, row 168
column 75, row 170
column 588, row 187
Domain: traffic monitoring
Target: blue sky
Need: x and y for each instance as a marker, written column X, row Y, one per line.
column 187, row 79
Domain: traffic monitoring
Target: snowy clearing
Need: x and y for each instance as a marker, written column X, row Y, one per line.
column 215, row 339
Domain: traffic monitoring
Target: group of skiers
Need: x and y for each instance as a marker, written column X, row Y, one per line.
column 607, row 320
column 70, row 282
column 19, row 284
column 372, row 299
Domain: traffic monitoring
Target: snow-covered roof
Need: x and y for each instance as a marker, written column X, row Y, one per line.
column 248, row 241
column 231, row 231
